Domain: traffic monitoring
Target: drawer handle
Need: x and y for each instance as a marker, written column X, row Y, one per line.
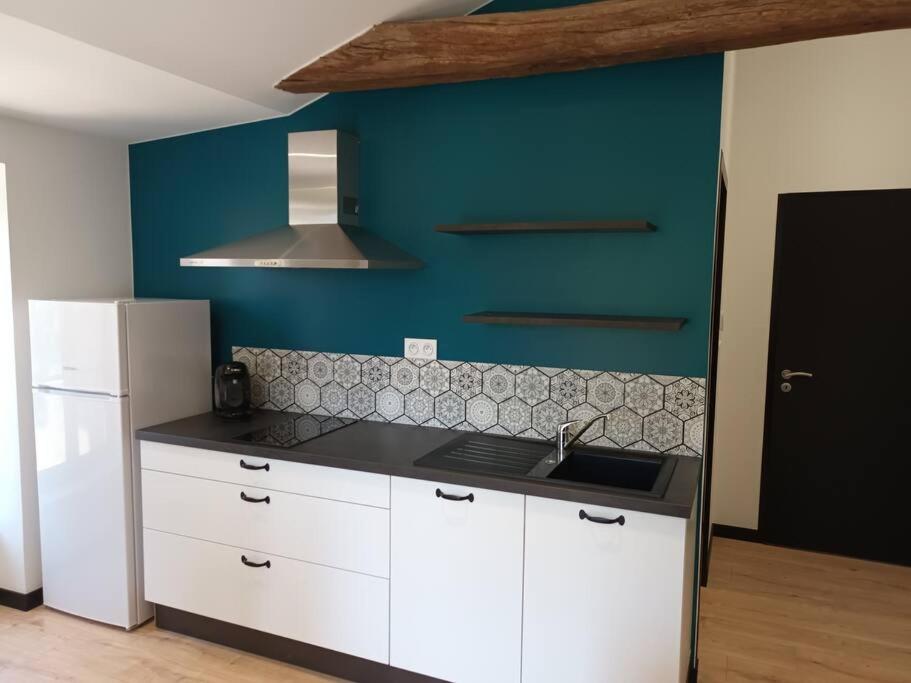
column 244, row 497
column 449, row 496
column 621, row 520
column 245, row 466
column 267, row 564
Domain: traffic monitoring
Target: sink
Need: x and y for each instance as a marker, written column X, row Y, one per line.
column 643, row 473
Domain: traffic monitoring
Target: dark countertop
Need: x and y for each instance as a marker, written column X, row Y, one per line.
column 387, row 448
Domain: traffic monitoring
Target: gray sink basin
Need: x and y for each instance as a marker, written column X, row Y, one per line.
column 640, row 472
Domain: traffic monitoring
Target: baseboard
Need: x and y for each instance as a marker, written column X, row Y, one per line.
column 693, row 674
column 21, row 601
column 736, row 532
column 285, row 650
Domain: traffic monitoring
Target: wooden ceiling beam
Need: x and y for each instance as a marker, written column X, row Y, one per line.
column 511, row 44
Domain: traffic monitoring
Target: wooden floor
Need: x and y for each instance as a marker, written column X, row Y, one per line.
column 44, row 645
column 773, row 614
column 768, row 614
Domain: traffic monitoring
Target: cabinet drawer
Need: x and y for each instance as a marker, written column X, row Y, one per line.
column 322, row 606
column 329, row 532
column 335, row 483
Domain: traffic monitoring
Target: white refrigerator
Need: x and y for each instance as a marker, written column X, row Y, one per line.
column 100, row 370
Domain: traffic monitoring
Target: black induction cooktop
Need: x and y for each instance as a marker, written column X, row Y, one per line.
column 294, row 431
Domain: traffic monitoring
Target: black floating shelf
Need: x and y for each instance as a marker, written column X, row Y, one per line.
column 541, row 227
column 632, row 322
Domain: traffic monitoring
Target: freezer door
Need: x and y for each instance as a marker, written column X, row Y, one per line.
column 85, row 501
column 78, row 346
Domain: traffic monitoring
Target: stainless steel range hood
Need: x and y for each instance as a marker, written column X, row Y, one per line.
column 323, row 230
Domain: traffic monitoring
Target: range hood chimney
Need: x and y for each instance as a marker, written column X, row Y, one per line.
column 323, row 229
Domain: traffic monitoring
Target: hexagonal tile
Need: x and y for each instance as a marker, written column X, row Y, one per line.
column 585, row 412
column 605, row 392
column 532, row 386
column 623, row 427
column 246, row 357
column 547, row 416
column 390, row 403
column 604, row 442
column 294, row 367
column 347, row 371
column 693, row 433
column 481, row 412
column 281, row 393
column 419, row 406
column 567, row 389
column 499, row 383
column 361, row 400
column 644, row 395
column 268, row 366
column 333, row 398
column 404, row 376
column 306, row 395
column 319, row 369
column 465, row 380
column 375, row 374
column 685, row 399
column 642, row 446
column 515, row 415
column 435, row 378
column 663, row 431
column 259, row 391
column 449, row 408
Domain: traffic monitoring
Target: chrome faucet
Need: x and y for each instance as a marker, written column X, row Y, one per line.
column 563, row 443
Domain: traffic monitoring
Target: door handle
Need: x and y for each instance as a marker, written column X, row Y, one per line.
column 621, row 520
column 788, row 374
column 267, row 564
column 449, row 496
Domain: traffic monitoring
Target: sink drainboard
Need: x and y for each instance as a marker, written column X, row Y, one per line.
column 487, row 454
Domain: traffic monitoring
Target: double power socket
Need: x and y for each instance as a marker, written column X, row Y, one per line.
column 421, row 349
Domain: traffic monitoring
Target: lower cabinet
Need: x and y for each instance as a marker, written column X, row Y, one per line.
column 605, row 602
column 456, row 579
column 331, row 608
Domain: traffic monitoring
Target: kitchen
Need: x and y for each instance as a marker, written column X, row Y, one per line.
column 414, row 290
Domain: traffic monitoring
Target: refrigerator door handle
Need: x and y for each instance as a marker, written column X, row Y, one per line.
column 57, row 391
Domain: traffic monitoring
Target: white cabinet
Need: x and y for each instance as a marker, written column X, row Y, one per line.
column 605, row 603
column 334, row 483
column 329, row 532
column 335, row 609
column 456, row 582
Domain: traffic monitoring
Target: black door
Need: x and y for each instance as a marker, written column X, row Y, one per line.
column 837, row 456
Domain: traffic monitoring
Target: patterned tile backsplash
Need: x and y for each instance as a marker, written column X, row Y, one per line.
column 646, row 412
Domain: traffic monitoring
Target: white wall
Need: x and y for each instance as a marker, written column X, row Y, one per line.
column 831, row 114
column 67, row 198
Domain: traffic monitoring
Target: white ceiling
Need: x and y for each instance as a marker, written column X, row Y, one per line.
column 147, row 69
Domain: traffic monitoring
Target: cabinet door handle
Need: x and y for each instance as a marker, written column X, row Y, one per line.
column 621, row 520
column 267, row 564
column 245, row 466
column 244, row 497
column 449, row 496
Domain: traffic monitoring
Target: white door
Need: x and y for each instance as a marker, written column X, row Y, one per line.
column 604, row 603
column 456, row 582
column 84, row 497
column 78, row 346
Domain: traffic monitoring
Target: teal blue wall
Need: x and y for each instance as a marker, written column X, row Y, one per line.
column 637, row 141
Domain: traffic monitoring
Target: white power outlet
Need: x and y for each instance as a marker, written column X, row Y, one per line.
column 421, row 349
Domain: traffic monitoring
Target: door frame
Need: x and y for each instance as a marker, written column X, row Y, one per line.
column 711, row 380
